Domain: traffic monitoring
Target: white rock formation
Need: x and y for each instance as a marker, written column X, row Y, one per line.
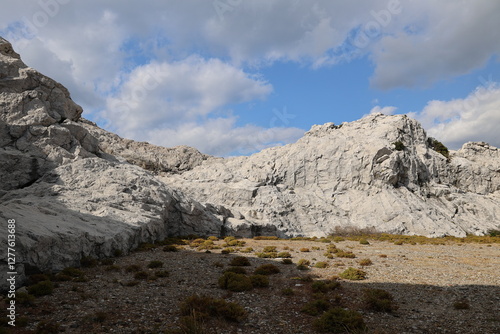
column 76, row 190
column 352, row 175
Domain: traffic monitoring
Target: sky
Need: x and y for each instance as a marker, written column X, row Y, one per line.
column 232, row 77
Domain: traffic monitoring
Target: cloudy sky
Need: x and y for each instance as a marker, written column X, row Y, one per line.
column 235, row 76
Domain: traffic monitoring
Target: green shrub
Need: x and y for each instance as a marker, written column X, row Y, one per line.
column 338, row 320
column 303, row 262
column 113, row 267
column 316, row 307
column 170, row 248
column 240, row 261
column 263, row 237
column 378, row 300
column 72, row 272
column 162, row 273
column 363, row 241
column 141, row 275
column 271, row 255
column 345, row 254
column 210, row 307
column 235, row 243
column 267, row 269
column 321, row 265
column 236, row 270
column 24, row 298
column 41, row 288
column 287, row 292
column 399, row 146
column 155, row 264
column 133, row 268
column 259, row 281
column 353, row 274
column 284, row 255
column 131, row 283
column 269, row 249
column 247, row 250
column 338, row 239
column 398, row 242
column 228, row 250
column 324, row 286
column 365, row 262
column 36, row 278
column 235, row 282
column 439, row 147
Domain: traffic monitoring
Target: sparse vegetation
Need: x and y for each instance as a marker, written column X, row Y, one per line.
column 399, row 146
column 155, row 264
column 269, row 249
column 438, row 147
column 240, row 261
column 305, row 250
column 363, row 241
column 141, row 275
column 353, row 274
column 170, row 248
column 235, row 282
column 236, row 270
column 284, row 255
column 321, row 264
column 133, row 268
column 210, row 307
column 339, row 320
column 324, row 286
column 378, row 300
column 267, row 269
column 287, row 261
column 41, row 288
column 316, row 307
column 259, row 281
column 365, row 262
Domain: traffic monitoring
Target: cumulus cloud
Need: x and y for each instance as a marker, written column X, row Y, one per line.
column 388, row 110
column 474, row 118
column 180, row 103
column 439, row 40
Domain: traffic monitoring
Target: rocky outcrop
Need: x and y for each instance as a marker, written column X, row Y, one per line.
column 379, row 172
column 77, row 190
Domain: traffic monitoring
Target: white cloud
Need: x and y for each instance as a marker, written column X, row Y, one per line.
column 181, row 102
column 474, row 118
column 437, row 40
column 221, row 137
column 388, row 110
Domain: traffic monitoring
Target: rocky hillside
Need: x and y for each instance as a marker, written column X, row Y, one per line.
column 77, row 190
column 381, row 172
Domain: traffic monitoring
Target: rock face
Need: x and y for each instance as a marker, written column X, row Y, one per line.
column 77, row 190
column 353, row 175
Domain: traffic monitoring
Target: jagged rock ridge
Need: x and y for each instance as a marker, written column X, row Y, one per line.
column 77, row 190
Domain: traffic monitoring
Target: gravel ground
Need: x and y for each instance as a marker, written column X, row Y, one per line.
column 425, row 281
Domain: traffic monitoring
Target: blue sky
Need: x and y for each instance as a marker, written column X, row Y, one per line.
column 232, row 77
